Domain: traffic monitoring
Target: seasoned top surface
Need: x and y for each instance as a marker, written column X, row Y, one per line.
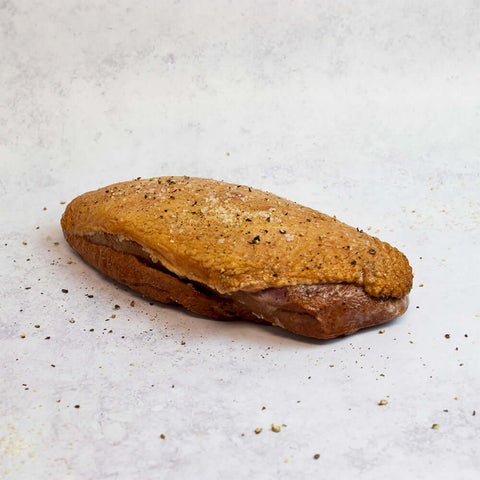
column 233, row 237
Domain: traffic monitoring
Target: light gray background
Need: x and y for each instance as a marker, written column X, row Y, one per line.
column 369, row 110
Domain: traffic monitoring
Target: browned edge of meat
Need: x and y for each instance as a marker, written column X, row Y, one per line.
column 318, row 311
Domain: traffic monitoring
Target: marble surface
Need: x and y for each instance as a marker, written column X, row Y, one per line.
column 368, row 110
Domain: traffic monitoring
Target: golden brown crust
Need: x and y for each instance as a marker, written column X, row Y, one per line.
column 233, row 237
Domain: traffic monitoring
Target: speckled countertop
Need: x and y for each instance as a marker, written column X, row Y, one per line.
column 360, row 109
